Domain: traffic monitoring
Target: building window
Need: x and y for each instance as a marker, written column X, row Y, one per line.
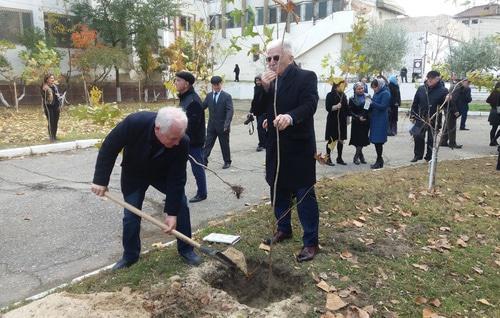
column 13, row 23
column 308, row 7
column 475, row 21
column 250, row 17
column 260, row 16
column 272, row 15
column 466, row 22
column 322, row 9
column 337, row 5
column 229, row 21
column 59, row 27
column 185, row 23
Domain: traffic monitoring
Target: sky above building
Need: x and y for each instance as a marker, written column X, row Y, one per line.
column 416, row 8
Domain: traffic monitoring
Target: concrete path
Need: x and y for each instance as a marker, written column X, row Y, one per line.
column 52, row 228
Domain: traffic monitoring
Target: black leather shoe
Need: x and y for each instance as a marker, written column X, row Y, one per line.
column 464, row 129
column 259, row 148
column 456, row 146
column 226, row 165
column 341, row 162
column 362, row 159
column 278, row 237
column 121, row 264
column 190, row 257
column 444, row 145
column 355, row 160
column 415, row 159
column 197, row 198
column 428, row 159
column 329, row 163
column 494, row 143
column 377, row 165
column 307, row 253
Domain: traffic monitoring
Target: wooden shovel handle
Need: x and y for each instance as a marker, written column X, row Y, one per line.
column 151, row 219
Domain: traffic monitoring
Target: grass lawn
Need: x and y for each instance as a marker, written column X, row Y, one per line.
column 383, row 237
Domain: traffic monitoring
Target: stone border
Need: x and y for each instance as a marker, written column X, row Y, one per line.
column 43, row 149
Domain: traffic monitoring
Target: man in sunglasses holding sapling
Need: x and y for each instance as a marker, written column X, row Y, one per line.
column 296, row 102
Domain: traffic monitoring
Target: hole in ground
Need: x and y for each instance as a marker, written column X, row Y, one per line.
column 253, row 290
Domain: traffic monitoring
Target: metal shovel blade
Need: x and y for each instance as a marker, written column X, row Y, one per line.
column 217, row 255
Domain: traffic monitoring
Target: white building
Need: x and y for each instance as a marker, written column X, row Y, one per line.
column 482, row 21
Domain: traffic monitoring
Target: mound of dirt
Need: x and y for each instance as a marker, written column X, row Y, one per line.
column 192, row 296
column 66, row 305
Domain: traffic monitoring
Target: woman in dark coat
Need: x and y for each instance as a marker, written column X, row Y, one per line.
column 360, row 123
column 395, row 103
column 336, row 121
column 494, row 117
column 379, row 118
column 51, row 104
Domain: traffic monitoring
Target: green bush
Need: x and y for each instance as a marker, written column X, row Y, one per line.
column 100, row 114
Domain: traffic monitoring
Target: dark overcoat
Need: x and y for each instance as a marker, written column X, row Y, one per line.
column 191, row 104
column 297, row 96
column 336, row 121
column 494, row 101
column 144, row 158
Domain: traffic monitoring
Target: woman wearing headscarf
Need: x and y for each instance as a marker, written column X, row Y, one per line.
column 51, row 104
column 379, row 118
column 360, row 125
column 336, row 121
column 395, row 103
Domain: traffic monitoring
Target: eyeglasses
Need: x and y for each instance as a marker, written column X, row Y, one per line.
column 276, row 58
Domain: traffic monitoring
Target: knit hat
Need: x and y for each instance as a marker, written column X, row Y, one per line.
column 188, row 77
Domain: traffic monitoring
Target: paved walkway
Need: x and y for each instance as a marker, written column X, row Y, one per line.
column 54, row 229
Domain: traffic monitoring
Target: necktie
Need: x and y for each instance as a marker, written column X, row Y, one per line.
column 215, row 97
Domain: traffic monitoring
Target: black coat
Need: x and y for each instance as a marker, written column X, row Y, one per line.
column 427, row 100
column 494, row 101
column 297, row 96
column 336, row 120
column 220, row 114
column 258, row 90
column 359, row 129
column 144, row 158
column 461, row 97
column 395, row 102
column 191, row 104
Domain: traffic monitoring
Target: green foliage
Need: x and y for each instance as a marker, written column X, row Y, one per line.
column 41, row 61
column 443, row 69
column 351, row 60
column 96, row 62
column 482, row 79
column 475, row 55
column 384, row 46
column 5, row 67
column 32, row 36
column 100, row 114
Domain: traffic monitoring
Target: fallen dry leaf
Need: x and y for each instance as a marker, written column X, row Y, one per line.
column 315, row 277
column 357, row 223
column 355, row 312
column 421, row 300
column 428, row 313
column 334, row 302
column 461, row 243
column 477, row 270
column 424, row 267
column 484, row 302
column 445, row 228
column 345, row 254
column 264, row 247
column 435, row 302
column 323, row 286
column 465, row 238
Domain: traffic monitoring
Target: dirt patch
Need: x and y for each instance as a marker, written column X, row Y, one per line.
column 66, row 305
column 261, row 287
column 208, row 291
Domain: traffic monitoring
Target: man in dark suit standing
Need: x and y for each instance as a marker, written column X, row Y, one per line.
column 220, row 107
column 155, row 152
column 297, row 99
column 191, row 104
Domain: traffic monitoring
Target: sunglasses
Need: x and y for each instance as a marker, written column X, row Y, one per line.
column 276, row 58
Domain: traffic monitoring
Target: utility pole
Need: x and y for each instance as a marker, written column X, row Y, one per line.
column 425, row 54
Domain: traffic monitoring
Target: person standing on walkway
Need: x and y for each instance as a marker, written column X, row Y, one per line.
column 236, row 72
column 463, row 98
column 220, row 107
column 257, row 96
column 379, row 118
column 451, row 113
column 296, row 103
column 155, row 153
column 427, row 99
column 360, row 123
column 336, row 120
column 392, row 129
column 190, row 102
column 494, row 116
column 403, row 74
column 51, row 104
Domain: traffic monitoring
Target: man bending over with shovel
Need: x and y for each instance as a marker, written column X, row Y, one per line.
column 155, row 152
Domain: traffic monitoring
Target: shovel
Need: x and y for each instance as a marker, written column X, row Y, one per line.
column 219, row 256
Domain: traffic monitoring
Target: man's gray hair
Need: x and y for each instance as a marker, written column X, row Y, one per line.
column 170, row 116
column 286, row 45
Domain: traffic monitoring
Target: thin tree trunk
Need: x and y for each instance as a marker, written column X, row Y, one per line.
column 435, row 150
column 118, row 88
column 16, row 101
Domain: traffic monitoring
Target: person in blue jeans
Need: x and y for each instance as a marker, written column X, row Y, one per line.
column 155, row 153
column 191, row 104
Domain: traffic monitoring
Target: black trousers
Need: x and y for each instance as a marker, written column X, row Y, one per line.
column 450, row 131
column 52, row 114
column 261, row 132
column 420, row 143
column 223, row 137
